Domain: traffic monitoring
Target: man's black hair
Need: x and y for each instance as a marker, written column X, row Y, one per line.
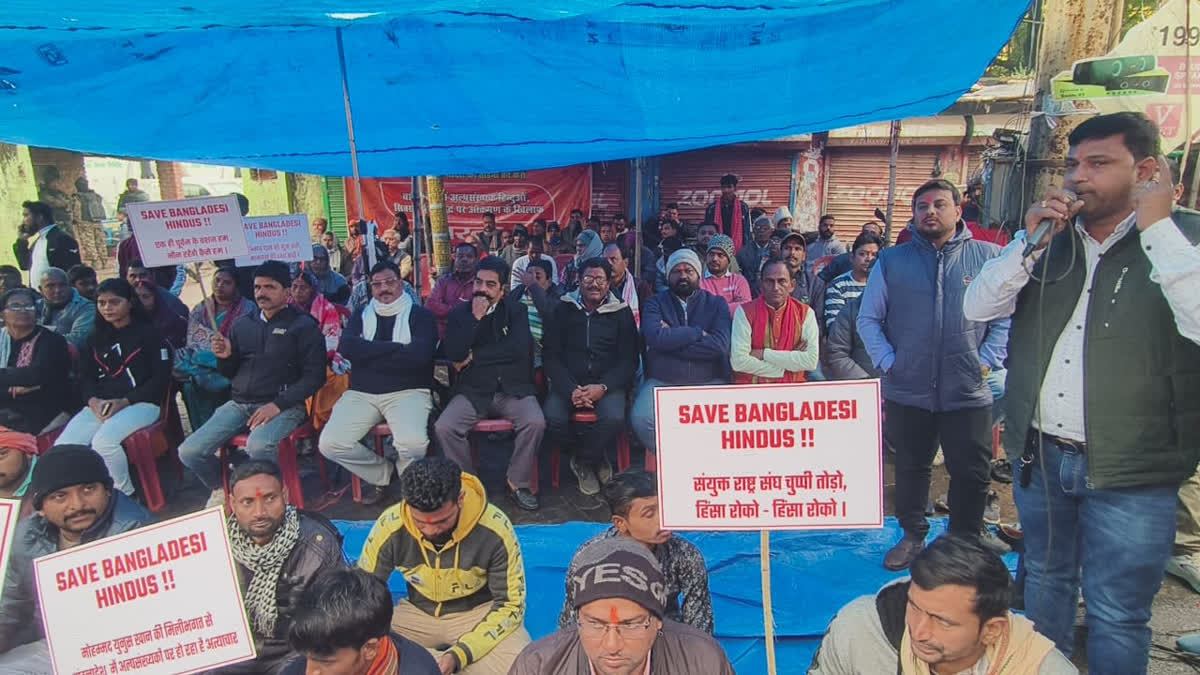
column 619, row 216
column 243, row 202
column 467, row 244
column 620, row 246
column 937, row 184
column 709, row 223
column 774, row 261
column 383, row 266
column 623, row 488
column 670, row 245
column 255, row 467
column 955, row 560
column 136, row 262
column 579, row 211
column 827, row 216
column 428, row 483
column 79, row 272
column 544, row 265
column 596, row 262
column 489, row 214
column 672, row 205
column 729, row 179
column 1173, row 164
column 1139, row 134
column 40, row 209
column 866, row 238
column 342, row 608
column 495, row 264
column 274, row 269
column 593, row 219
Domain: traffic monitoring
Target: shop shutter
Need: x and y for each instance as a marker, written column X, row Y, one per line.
column 693, row 179
column 857, row 180
column 610, row 183
column 335, row 188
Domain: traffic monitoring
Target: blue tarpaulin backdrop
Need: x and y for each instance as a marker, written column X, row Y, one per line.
column 462, row 86
column 813, row 574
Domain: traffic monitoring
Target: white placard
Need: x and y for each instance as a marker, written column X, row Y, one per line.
column 160, row 599
column 10, row 511
column 282, row 238
column 188, row 230
column 770, row 456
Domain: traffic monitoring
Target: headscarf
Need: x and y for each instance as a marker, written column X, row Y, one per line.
column 593, row 247
column 780, row 213
column 335, row 253
column 327, row 314
column 26, row 443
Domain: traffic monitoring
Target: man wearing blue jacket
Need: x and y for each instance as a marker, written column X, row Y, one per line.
column 389, row 343
column 934, row 372
column 687, row 339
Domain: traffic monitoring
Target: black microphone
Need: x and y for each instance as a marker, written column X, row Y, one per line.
column 1040, row 233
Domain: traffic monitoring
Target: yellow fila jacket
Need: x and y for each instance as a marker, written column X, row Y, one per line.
column 480, row 564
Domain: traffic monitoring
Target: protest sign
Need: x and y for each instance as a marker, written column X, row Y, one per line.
column 161, row 599
column 10, row 511
column 282, row 238
column 775, row 456
column 188, row 230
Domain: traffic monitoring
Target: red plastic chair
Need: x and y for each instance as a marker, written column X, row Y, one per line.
column 588, row 417
column 288, row 462
column 46, row 441
column 378, row 433
column 144, row 446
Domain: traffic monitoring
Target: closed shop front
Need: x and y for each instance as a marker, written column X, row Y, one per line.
column 693, row 179
column 857, row 184
column 610, row 186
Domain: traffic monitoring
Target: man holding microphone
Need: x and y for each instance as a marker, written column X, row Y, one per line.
column 1103, row 392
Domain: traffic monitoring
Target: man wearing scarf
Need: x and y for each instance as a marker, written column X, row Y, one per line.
column 343, row 624
column 632, row 292
column 950, row 617
column 775, row 337
column 730, row 214
column 389, row 343
column 279, row 551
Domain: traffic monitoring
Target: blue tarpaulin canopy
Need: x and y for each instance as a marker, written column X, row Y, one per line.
column 461, row 86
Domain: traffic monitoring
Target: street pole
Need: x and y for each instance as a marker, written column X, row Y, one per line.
column 1072, row 30
column 350, row 124
column 436, row 194
column 637, row 218
column 894, row 143
column 417, row 233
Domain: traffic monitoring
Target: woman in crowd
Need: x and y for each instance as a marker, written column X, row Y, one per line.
column 339, row 259
column 204, row 387
column 171, row 326
column 331, row 318
column 587, row 246
column 34, row 365
column 404, row 231
column 125, row 367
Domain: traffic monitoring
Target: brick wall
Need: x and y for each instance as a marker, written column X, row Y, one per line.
column 170, row 180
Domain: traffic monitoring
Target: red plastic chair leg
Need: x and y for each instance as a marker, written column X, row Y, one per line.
column 623, row 459
column 555, row 465
column 142, row 455
column 290, row 469
column 651, row 462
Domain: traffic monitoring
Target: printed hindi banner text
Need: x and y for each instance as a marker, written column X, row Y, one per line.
column 770, row 457
column 159, row 600
column 188, row 230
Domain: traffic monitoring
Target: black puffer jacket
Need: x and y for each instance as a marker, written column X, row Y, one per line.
column 319, row 549
column 281, row 361
column 501, row 349
column 583, row 348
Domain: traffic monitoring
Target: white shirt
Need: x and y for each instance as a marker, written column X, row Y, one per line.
column 1174, row 266
column 775, row 362
column 38, row 261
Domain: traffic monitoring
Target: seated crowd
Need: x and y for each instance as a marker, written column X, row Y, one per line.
column 565, row 356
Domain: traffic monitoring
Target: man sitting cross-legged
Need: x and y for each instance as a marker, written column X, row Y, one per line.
column 389, row 343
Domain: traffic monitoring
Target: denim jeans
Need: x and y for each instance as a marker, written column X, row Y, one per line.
column 199, row 451
column 1120, row 538
column 641, row 417
column 106, row 437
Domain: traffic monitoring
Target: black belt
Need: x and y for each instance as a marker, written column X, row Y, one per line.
column 1025, row 464
column 1076, row 447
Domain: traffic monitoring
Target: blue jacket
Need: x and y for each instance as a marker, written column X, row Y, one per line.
column 681, row 354
column 382, row 366
column 20, row 615
column 911, row 321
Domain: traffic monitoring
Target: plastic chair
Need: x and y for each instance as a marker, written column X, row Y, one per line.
column 495, row 426
column 588, row 417
column 144, row 446
column 378, row 433
column 288, row 462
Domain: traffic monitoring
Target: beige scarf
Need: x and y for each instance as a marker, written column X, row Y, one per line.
column 1019, row 651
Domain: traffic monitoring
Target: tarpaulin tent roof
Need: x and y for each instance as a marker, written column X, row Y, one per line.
column 461, row 86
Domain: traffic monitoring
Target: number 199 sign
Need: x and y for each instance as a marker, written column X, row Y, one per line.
column 770, row 457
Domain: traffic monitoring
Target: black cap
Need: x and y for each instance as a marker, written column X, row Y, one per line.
column 64, row 466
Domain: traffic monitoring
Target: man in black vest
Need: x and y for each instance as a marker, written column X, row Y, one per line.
column 1103, row 392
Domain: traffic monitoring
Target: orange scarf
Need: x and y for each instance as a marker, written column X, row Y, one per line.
column 781, row 330
column 387, row 660
column 734, row 229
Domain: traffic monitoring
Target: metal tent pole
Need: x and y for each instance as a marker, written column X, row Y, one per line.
column 350, row 123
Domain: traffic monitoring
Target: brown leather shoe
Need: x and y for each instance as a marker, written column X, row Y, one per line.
column 902, row 554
